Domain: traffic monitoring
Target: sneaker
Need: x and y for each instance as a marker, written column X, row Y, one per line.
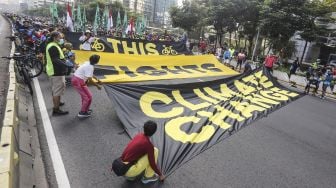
column 59, row 112
column 62, row 103
column 83, row 114
column 145, row 180
column 90, row 111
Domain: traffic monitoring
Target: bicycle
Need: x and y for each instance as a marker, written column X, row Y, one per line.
column 24, row 66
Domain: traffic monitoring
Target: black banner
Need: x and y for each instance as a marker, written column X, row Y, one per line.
column 193, row 117
column 129, row 46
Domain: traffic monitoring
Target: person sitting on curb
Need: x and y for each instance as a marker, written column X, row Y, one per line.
column 141, row 150
column 79, row 81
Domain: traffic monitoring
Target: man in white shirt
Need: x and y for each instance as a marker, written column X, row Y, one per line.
column 83, row 75
column 86, row 40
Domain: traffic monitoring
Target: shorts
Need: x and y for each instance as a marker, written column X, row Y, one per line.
column 57, row 85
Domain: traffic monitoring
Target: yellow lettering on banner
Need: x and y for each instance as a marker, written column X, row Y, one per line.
column 221, row 115
column 128, row 49
column 142, row 49
column 147, row 100
column 201, row 95
column 215, row 94
column 246, row 109
column 261, row 101
column 265, row 82
column 227, row 92
column 274, row 96
column 251, row 79
column 179, row 98
column 243, row 88
column 173, row 129
column 151, row 49
column 114, row 45
column 258, row 74
column 288, row 93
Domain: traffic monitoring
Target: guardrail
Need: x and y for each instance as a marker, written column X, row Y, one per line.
column 8, row 144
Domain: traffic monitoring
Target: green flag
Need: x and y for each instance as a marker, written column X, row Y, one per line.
column 118, row 21
column 73, row 13
column 79, row 21
column 105, row 17
column 125, row 23
column 96, row 21
column 84, row 17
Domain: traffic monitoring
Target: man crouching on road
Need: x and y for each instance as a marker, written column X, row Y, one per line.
column 141, row 149
column 56, row 70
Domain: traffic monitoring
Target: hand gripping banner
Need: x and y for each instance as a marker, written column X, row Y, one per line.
column 129, row 46
column 193, row 117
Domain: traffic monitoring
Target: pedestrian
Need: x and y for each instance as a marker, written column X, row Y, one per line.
column 227, row 57
column 292, row 70
column 56, row 70
column 327, row 81
column 269, row 62
column 142, row 155
column 314, row 78
column 82, row 76
column 240, row 59
column 86, row 40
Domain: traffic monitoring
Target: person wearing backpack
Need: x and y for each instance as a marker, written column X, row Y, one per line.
column 140, row 156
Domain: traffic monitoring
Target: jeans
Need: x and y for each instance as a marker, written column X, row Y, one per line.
column 83, row 91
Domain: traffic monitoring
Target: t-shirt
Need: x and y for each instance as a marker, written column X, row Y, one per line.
column 241, row 57
column 85, row 71
column 269, row 61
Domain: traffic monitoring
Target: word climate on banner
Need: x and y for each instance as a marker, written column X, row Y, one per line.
column 193, row 117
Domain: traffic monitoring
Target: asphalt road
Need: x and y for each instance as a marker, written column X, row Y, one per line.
column 292, row 147
column 4, row 51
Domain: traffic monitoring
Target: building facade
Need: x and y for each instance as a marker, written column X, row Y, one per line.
column 42, row 3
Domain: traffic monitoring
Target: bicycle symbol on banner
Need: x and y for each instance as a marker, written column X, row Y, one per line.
column 98, row 46
column 168, row 50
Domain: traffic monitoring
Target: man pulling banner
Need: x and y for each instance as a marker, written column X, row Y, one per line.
column 193, row 117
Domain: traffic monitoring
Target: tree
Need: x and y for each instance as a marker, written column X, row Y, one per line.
column 282, row 18
column 188, row 16
column 313, row 10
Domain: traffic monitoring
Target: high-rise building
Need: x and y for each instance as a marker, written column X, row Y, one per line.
column 161, row 11
column 41, row 3
column 156, row 11
column 135, row 5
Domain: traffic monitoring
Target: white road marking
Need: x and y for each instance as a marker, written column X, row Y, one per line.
column 56, row 158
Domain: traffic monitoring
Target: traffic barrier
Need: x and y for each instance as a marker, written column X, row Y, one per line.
column 8, row 144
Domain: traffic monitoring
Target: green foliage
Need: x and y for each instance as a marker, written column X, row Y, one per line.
column 187, row 17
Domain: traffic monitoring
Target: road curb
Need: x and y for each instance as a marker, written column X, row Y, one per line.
column 8, row 155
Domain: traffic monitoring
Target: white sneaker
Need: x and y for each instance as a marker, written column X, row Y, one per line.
column 145, row 180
